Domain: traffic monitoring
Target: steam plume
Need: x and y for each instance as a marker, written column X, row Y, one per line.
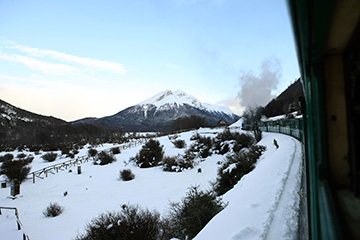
column 256, row 90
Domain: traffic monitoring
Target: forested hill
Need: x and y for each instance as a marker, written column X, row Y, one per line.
column 287, row 101
column 18, row 126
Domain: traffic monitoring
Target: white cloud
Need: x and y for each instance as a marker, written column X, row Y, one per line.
column 45, row 67
column 87, row 62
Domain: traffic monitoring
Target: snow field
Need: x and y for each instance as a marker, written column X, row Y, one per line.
column 252, row 204
column 99, row 189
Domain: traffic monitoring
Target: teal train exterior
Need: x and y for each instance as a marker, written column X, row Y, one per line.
column 293, row 127
column 327, row 36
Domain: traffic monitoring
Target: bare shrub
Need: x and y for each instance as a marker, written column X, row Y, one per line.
column 75, row 151
column 131, row 223
column 65, row 150
column 179, row 143
column 15, row 170
column 115, row 150
column 92, row 152
column 49, row 157
column 177, row 163
column 150, row 155
column 27, row 160
column 104, row 158
column 189, row 216
column 202, row 145
column 126, row 175
column 235, row 167
column 21, row 155
column 189, row 155
column 53, row 210
column 6, row 157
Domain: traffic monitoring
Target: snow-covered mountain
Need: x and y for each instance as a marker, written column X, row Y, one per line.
column 167, row 100
column 158, row 112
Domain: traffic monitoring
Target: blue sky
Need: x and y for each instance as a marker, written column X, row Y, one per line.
column 75, row 59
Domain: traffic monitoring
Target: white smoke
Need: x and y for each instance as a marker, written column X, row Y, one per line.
column 256, row 90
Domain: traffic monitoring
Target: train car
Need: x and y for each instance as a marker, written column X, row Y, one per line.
column 327, row 36
column 246, row 126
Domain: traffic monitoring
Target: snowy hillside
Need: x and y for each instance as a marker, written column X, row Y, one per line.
column 263, row 205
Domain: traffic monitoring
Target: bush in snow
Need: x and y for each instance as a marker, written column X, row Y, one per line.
column 115, row 150
column 235, row 167
column 170, row 164
column 189, row 216
column 15, row 170
column 53, row 210
column 104, row 158
column 27, row 160
column 227, row 140
column 202, row 145
column 65, row 150
column 177, row 163
column 92, row 152
column 21, row 155
column 131, row 223
column 126, row 175
column 189, row 155
column 179, row 143
column 6, row 157
column 150, row 155
column 49, row 157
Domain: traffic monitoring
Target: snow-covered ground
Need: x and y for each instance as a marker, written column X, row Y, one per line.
column 263, row 205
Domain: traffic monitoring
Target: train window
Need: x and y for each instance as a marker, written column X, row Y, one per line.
column 352, row 64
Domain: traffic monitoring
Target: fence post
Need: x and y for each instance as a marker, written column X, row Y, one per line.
column 0, row 211
column 33, row 177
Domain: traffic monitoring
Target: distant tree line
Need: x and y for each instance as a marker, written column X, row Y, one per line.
column 58, row 135
column 191, row 122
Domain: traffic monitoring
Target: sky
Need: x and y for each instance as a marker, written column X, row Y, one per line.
column 74, row 59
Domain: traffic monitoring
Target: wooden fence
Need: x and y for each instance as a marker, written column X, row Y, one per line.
column 19, row 224
column 44, row 172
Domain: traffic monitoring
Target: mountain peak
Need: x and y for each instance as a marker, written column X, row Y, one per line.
column 170, row 98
